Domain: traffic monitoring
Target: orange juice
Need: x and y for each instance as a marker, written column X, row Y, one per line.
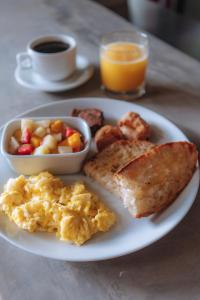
column 123, row 66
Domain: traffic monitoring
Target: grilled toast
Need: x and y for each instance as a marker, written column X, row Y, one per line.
column 152, row 181
column 103, row 166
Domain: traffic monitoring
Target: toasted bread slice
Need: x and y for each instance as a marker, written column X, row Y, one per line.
column 103, row 166
column 152, row 181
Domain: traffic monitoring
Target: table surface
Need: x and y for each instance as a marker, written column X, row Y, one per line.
column 176, row 29
column 168, row 269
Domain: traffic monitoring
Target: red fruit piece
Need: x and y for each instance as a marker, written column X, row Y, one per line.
column 76, row 149
column 26, row 136
column 25, row 149
column 69, row 131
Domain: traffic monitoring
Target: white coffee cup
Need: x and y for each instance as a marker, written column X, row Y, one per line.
column 51, row 66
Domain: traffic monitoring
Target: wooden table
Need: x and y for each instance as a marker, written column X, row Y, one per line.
column 169, row 269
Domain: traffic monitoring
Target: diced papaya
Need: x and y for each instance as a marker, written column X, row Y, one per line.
column 75, row 140
column 36, row 141
column 56, row 126
column 54, row 151
column 64, row 143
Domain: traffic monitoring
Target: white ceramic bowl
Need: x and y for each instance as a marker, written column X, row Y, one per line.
column 68, row 163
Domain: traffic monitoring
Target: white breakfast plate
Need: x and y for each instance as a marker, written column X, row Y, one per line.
column 30, row 79
column 128, row 235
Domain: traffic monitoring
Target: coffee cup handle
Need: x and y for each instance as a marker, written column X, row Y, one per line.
column 24, row 60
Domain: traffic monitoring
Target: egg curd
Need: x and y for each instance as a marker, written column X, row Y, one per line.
column 44, row 203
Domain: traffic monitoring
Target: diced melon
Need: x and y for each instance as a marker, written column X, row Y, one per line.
column 64, row 149
column 58, row 136
column 27, row 124
column 41, row 150
column 43, row 123
column 40, row 131
column 18, row 134
column 50, row 141
column 13, row 145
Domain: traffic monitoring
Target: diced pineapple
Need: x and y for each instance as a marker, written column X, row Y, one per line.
column 58, row 136
column 49, row 141
column 40, row 131
column 64, row 143
column 56, row 126
column 36, row 141
column 27, row 124
column 43, row 123
column 41, row 150
column 74, row 140
column 13, row 145
column 18, row 134
column 64, row 149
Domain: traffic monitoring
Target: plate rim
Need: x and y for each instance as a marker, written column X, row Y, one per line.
column 125, row 252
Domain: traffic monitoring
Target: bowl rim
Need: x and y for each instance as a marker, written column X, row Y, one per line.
column 70, row 154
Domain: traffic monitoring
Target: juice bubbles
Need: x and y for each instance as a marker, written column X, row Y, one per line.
column 123, row 66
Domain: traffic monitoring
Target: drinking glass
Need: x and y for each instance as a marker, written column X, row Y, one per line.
column 123, row 63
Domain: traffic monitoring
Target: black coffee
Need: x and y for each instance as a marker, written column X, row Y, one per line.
column 51, row 47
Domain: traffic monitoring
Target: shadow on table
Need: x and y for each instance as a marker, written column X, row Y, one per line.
column 157, row 90
column 176, row 108
column 192, row 135
column 89, row 88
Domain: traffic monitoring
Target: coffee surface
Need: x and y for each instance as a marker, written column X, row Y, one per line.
column 51, row 47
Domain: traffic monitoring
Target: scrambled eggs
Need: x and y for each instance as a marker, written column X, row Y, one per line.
column 44, row 203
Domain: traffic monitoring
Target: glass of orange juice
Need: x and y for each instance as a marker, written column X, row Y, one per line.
column 123, row 63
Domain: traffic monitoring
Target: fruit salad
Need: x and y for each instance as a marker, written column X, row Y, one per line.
column 45, row 137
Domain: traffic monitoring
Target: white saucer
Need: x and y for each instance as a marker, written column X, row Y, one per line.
column 30, row 79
